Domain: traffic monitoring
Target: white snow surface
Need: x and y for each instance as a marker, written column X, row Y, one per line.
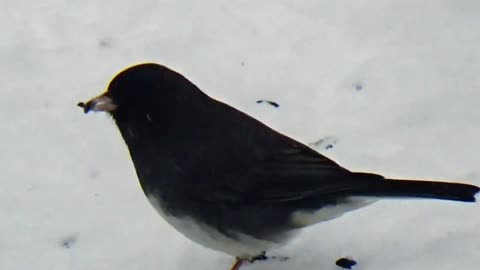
column 394, row 86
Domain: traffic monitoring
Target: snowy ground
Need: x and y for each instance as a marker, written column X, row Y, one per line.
column 393, row 85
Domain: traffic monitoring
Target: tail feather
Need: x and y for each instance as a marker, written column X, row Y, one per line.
column 420, row 189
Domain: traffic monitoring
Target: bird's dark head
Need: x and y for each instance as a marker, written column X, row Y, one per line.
column 145, row 91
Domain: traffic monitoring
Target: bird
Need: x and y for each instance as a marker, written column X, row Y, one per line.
column 228, row 181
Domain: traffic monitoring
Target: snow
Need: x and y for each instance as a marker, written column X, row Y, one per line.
column 394, row 84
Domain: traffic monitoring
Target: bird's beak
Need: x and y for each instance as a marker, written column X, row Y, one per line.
column 101, row 103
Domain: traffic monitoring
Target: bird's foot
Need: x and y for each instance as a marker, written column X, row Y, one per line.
column 264, row 257
column 261, row 257
column 278, row 258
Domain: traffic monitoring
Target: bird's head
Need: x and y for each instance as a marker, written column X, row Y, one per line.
column 145, row 91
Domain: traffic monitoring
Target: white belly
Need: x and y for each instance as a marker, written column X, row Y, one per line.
column 243, row 246
column 302, row 218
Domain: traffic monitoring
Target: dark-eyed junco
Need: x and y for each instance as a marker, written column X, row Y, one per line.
column 226, row 180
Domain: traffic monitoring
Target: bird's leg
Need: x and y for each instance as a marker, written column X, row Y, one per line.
column 237, row 264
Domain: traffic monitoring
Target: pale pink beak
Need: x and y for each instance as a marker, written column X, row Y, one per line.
column 101, row 103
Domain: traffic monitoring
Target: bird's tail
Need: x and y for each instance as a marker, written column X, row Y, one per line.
column 420, row 189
